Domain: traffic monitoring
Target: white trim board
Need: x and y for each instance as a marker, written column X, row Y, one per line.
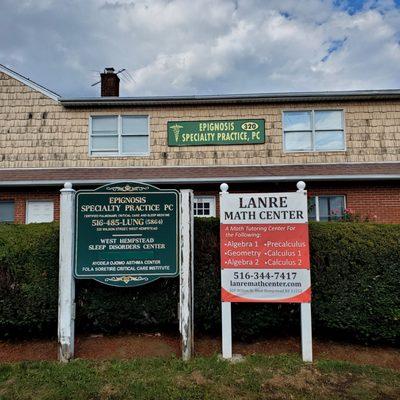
column 28, row 82
column 247, row 179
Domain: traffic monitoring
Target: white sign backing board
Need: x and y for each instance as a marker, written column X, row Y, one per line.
column 265, row 256
column 264, row 247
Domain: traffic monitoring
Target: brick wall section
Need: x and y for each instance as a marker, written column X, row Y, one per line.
column 36, row 131
column 379, row 203
column 366, row 199
column 20, row 198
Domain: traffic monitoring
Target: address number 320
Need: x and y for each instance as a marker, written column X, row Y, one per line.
column 249, row 126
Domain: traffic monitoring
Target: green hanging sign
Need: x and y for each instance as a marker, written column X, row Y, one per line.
column 218, row 132
column 126, row 234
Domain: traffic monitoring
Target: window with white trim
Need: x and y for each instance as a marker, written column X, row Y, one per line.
column 119, row 135
column 326, row 208
column 314, row 130
column 7, row 211
column 204, row 206
column 39, row 211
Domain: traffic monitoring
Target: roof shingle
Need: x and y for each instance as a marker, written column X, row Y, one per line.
column 56, row 176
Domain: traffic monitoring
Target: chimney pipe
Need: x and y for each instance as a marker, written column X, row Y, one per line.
column 109, row 83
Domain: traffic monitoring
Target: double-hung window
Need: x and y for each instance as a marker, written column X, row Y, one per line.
column 119, row 135
column 314, row 130
column 326, row 208
column 7, row 211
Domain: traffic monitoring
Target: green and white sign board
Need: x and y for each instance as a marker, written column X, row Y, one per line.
column 126, row 234
column 219, row 132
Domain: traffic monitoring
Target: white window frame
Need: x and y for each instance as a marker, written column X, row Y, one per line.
column 202, row 199
column 37, row 201
column 119, row 134
column 313, row 149
column 317, row 219
column 9, row 221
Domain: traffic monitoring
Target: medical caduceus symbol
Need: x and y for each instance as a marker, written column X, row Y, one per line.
column 176, row 129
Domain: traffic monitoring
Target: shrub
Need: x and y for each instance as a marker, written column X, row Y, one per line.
column 356, row 280
column 29, row 291
column 28, row 279
column 355, row 277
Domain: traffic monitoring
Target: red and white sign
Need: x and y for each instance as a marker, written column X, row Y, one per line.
column 265, row 248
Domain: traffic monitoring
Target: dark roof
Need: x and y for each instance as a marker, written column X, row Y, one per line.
column 363, row 95
column 314, row 172
column 29, row 82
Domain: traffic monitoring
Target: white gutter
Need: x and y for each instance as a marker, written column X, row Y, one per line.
column 248, row 179
column 276, row 97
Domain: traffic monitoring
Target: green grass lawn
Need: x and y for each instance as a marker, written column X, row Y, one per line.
column 257, row 377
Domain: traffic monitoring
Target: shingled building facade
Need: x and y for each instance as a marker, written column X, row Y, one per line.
column 344, row 145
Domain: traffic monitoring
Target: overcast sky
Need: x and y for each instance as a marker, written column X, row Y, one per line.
column 172, row 47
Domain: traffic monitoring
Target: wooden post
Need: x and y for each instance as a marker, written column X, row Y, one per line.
column 226, row 309
column 305, row 311
column 186, row 326
column 66, row 282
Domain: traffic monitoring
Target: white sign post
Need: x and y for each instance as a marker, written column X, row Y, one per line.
column 226, row 307
column 66, row 285
column 186, row 275
column 305, row 313
column 265, row 255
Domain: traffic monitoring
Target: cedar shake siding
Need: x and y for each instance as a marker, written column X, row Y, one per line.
column 39, row 132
